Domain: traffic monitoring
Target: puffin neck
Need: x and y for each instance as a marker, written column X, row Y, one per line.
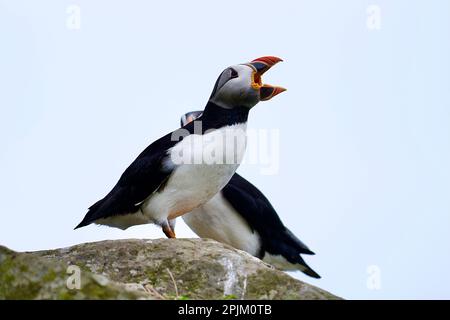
column 216, row 117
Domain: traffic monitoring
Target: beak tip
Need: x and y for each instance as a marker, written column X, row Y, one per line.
column 279, row 90
column 267, row 92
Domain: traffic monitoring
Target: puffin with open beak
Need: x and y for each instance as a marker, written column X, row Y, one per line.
column 175, row 175
column 241, row 216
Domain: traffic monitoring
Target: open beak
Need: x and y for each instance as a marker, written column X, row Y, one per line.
column 260, row 66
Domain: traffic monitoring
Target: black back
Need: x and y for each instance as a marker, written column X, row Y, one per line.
column 261, row 217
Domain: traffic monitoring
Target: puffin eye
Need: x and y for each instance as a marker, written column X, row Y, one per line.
column 234, row 73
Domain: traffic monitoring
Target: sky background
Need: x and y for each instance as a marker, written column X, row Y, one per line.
column 364, row 173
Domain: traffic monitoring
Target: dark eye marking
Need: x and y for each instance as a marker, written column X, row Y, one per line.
column 224, row 77
column 234, row 73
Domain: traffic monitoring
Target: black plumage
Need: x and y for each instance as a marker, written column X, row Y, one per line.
column 261, row 217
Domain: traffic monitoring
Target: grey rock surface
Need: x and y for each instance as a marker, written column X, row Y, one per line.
column 148, row 269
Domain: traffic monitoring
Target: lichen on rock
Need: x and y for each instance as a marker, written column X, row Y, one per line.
column 148, row 269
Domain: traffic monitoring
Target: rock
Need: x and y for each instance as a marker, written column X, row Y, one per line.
column 147, row 269
column 25, row 276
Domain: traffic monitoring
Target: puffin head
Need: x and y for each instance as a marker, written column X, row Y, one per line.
column 241, row 85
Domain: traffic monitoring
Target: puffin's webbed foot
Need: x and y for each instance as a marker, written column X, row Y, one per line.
column 167, row 229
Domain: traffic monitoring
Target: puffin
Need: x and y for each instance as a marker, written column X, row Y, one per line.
column 242, row 217
column 185, row 168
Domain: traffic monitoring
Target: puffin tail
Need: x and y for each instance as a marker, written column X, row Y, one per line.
column 85, row 222
column 303, row 267
column 91, row 215
column 295, row 242
column 290, row 248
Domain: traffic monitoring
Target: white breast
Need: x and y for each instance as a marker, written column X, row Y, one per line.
column 218, row 220
column 202, row 166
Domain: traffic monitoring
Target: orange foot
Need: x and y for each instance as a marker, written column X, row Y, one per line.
column 168, row 231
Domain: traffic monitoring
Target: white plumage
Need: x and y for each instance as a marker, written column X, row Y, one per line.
column 191, row 184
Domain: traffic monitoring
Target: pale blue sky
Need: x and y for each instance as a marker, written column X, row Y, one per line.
column 364, row 126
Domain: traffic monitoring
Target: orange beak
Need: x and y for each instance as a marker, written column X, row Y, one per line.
column 261, row 65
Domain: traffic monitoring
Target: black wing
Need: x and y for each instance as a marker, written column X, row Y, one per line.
column 140, row 180
column 260, row 215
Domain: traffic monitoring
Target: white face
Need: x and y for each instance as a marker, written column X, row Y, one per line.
column 235, row 87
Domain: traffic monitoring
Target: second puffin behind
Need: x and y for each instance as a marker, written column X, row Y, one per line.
column 241, row 216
